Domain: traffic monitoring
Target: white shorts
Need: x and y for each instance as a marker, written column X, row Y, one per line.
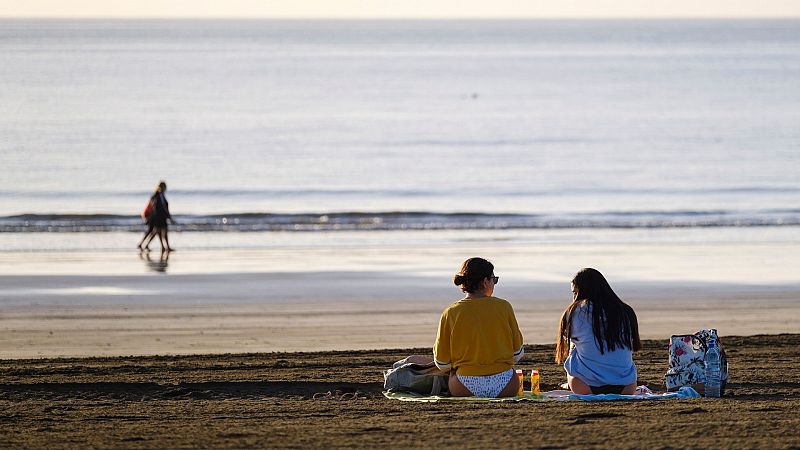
column 488, row 386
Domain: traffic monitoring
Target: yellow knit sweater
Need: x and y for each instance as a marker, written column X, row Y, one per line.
column 478, row 336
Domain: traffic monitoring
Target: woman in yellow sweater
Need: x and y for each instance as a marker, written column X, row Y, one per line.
column 479, row 340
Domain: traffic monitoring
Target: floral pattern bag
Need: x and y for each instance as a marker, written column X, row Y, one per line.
column 687, row 361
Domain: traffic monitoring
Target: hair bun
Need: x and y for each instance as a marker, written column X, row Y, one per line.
column 458, row 280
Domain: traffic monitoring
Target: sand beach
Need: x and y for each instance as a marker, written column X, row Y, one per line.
column 334, row 400
column 79, row 304
column 327, row 178
column 101, row 349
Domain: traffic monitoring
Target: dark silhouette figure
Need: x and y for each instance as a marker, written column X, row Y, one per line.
column 157, row 220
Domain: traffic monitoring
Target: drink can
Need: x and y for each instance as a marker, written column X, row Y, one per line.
column 520, row 376
column 535, row 382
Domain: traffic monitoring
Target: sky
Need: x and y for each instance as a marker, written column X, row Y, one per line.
column 397, row 9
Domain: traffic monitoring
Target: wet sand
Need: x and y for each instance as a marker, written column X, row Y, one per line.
column 233, row 313
column 118, row 304
column 282, row 400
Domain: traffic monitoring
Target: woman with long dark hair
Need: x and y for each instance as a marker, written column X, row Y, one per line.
column 478, row 339
column 596, row 338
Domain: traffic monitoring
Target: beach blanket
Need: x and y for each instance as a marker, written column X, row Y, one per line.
column 412, row 397
column 642, row 394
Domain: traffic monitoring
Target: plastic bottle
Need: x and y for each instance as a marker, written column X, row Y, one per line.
column 712, row 369
column 519, row 375
column 535, row 382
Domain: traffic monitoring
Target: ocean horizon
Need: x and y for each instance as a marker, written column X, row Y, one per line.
column 292, row 125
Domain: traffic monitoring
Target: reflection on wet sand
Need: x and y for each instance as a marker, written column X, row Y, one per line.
column 156, row 265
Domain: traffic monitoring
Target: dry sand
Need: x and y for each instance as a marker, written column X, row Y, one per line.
column 54, row 316
column 279, row 400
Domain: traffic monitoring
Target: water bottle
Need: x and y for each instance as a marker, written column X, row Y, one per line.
column 713, row 373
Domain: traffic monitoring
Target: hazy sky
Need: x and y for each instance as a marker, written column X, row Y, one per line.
column 400, row 8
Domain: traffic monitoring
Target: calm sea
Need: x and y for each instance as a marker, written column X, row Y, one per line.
column 307, row 126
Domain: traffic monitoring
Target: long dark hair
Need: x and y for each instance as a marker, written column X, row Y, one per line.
column 614, row 323
column 473, row 272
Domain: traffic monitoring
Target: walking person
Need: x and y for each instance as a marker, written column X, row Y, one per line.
column 157, row 219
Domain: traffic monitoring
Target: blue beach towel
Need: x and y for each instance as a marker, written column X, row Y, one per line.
column 684, row 392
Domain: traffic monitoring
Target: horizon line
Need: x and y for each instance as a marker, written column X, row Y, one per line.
column 410, row 18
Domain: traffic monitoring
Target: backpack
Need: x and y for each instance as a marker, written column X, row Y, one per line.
column 149, row 210
column 687, row 361
column 424, row 379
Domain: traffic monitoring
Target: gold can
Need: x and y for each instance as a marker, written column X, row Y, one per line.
column 535, row 382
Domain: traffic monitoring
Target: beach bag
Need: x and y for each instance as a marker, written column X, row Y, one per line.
column 425, row 379
column 687, row 365
column 149, row 210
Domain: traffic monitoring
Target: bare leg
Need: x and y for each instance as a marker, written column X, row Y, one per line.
column 161, row 239
column 512, row 388
column 577, row 386
column 152, row 235
column 456, row 388
column 146, row 234
column 166, row 239
column 419, row 359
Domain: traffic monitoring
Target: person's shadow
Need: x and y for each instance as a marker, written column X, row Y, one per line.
column 159, row 265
